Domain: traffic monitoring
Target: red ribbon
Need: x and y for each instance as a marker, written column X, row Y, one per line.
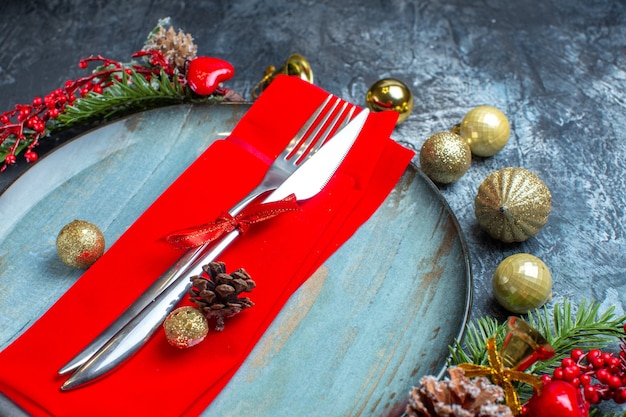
column 252, row 214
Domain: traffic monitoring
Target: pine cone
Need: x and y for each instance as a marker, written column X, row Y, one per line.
column 457, row 397
column 178, row 48
column 217, row 293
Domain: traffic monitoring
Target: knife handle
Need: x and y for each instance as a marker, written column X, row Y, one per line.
column 125, row 342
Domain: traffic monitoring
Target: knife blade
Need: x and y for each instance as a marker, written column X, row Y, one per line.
column 307, row 181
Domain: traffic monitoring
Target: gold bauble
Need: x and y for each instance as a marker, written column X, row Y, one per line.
column 80, row 244
column 390, row 94
column 521, row 283
column 486, row 130
column 512, row 204
column 185, row 327
column 445, row 157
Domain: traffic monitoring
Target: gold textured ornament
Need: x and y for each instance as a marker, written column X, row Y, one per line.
column 445, row 157
column 512, row 204
column 185, row 327
column 295, row 65
column 80, row 244
column 522, row 282
column 486, row 130
column 390, row 94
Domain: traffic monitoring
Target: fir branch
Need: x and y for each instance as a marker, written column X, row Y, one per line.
column 129, row 94
column 564, row 330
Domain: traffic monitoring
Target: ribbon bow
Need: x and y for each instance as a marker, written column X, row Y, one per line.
column 502, row 376
column 252, row 214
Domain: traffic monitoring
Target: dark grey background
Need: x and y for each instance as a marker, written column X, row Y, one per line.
column 557, row 69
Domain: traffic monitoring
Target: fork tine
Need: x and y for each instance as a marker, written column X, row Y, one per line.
column 305, row 128
column 313, row 133
column 339, row 122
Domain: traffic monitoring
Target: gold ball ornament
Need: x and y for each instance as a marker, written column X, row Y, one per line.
column 80, row 244
column 512, row 204
column 521, row 283
column 486, row 130
column 445, row 157
column 390, row 94
column 185, row 327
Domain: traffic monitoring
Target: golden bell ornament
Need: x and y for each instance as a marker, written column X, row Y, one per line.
column 522, row 282
column 390, row 94
column 486, row 130
column 79, row 244
column 296, row 65
column 523, row 345
column 512, row 204
column 445, row 157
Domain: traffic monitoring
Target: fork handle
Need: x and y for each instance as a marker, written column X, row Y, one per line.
column 138, row 330
column 172, row 275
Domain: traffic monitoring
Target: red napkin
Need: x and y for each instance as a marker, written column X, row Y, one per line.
column 279, row 254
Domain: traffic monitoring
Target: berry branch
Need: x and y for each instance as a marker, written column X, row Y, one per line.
column 156, row 76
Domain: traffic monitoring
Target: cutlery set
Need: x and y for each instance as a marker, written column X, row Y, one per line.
column 303, row 169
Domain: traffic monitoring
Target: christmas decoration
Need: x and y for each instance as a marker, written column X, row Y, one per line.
column 501, row 375
column 512, row 204
column 456, row 396
column 185, row 327
column 253, row 213
column 204, row 74
column 80, row 244
column 177, row 48
column 296, row 65
column 522, row 282
column 445, row 157
column 557, row 398
column 217, row 293
column 155, row 77
column 390, row 94
column 486, row 130
column 569, row 333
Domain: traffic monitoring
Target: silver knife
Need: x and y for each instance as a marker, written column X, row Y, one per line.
column 308, row 180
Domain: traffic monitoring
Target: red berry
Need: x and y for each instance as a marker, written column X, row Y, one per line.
column 577, row 354
column 620, row 396
column 567, row 362
column 204, row 74
column 589, row 391
column 31, row 156
column 585, row 379
column 571, row 372
column 37, row 101
column 614, row 382
column 10, row 159
column 602, row 375
column 558, row 373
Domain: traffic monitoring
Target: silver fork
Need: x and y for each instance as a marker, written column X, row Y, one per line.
column 311, row 136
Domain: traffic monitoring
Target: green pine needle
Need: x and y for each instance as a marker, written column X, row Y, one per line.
column 132, row 93
column 564, row 329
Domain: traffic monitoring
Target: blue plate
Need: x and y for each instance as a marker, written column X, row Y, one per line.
column 353, row 340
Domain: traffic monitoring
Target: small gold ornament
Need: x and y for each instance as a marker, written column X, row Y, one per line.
column 296, row 65
column 522, row 282
column 445, row 157
column 512, row 204
column 486, row 130
column 390, row 94
column 80, row 244
column 185, row 327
